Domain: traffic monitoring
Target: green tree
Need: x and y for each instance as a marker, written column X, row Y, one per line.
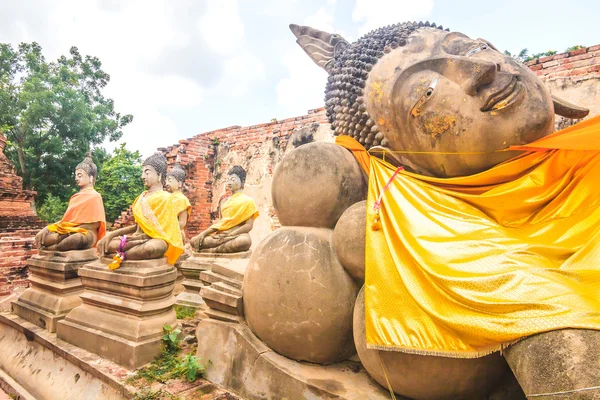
column 119, row 181
column 52, row 113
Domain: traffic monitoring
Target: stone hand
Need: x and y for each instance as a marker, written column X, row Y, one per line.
column 102, row 245
column 38, row 238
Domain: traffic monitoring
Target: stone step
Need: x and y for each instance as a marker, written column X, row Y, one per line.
column 210, row 277
column 223, row 316
column 222, row 301
column 229, row 272
column 223, row 287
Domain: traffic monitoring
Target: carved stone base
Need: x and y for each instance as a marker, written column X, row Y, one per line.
column 201, row 264
column 55, row 286
column 123, row 311
column 242, row 363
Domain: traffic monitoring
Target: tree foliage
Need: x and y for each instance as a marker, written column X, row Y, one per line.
column 524, row 55
column 119, row 181
column 52, row 113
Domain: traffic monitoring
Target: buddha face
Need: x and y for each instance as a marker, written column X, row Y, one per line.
column 172, row 184
column 447, row 93
column 150, row 177
column 234, row 183
column 82, row 179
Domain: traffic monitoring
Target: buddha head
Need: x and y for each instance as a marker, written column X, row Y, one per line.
column 237, row 178
column 437, row 102
column 154, row 170
column 85, row 172
column 175, row 178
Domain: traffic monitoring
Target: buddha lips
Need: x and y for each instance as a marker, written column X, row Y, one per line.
column 120, row 256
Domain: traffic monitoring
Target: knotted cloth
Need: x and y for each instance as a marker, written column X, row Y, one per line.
column 462, row 267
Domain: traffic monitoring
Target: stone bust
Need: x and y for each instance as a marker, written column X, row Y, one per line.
column 441, row 103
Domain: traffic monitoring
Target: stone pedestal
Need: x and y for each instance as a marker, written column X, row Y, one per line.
column 123, row 311
column 201, row 265
column 55, row 286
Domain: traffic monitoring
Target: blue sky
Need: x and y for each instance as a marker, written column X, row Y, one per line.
column 183, row 67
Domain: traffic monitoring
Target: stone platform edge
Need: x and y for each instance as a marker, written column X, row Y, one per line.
column 75, row 355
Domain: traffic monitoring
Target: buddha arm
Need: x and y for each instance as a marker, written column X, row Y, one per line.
column 182, row 217
column 103, row 244
column 244, row 227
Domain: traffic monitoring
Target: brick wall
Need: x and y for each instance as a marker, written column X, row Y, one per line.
column 16, row 204
column 576, row 65
column 15, row 250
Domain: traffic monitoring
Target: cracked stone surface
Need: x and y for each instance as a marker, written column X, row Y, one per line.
column 298, row 298
column 315, row 183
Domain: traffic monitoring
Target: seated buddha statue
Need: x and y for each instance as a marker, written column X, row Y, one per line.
column 156, row 230
column 84, row 222
column 231, row 233
column 183, row 208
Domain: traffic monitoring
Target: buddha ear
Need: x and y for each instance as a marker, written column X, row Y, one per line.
column 321, row 47
column 568, row 110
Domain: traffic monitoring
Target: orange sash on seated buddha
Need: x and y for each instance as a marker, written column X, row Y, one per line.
column 85, row 207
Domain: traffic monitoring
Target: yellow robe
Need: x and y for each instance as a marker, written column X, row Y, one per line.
column 462, row 267
column 157, row 217
column 181, row 203
column 236, row 210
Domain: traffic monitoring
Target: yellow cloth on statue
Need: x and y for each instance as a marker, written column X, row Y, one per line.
column 461, row 267
column 239, row 208
column 156, row 216
column 181, row 203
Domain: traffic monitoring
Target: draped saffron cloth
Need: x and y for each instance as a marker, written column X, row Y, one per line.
column 237, row 209
column 462, row 267
column 181, row 203
column 85, row 207
column 156, row 215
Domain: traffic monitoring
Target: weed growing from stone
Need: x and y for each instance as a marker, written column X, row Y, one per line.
column 168, row 365
column 184, row 312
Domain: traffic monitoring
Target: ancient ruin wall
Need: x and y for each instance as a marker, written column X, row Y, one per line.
column 18, row 225
column 574, row 76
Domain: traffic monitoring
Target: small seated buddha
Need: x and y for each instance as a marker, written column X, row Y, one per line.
column 231, row 233
column 183, row 208
column 84, row 222
column 156, row 230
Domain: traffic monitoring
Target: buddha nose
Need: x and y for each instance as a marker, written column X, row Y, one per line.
column 481, row 73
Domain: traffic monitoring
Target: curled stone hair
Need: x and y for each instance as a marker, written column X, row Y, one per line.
column 158, row 161
column 239, row 171
column 177, row 172
column 88, row 165
column 348, row 67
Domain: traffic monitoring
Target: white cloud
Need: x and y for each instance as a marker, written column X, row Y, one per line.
column 321, row 20
column 135, row 41
column 304, row 86
column 221, row 26
column 369, row 12
column 241, row 71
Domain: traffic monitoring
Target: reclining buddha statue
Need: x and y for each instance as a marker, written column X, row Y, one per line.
column 479, row 237
column 84, row 222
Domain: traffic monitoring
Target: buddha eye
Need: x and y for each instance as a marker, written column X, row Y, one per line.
column 481, row 47
column 416, row 109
